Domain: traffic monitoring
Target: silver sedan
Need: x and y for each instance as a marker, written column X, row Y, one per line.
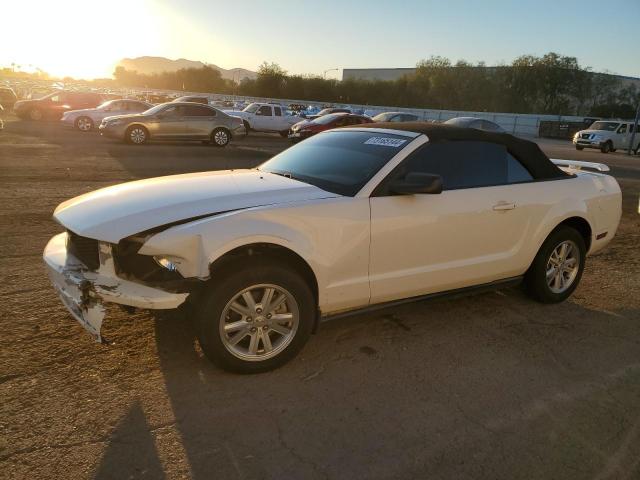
column 175, row 121
column 87, row 119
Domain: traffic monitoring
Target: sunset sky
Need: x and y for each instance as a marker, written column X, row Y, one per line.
column 85, row 39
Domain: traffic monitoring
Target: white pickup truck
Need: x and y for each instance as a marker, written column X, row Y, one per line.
column 608, row 136
column 266, row 117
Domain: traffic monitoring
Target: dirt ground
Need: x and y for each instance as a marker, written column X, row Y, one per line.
column 492, row 386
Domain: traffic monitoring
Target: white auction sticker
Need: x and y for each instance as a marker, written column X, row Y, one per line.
column 385, row 142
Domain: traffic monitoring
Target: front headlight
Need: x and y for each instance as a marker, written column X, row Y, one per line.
column 166, row 263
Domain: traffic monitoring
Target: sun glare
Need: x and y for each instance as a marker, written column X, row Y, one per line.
column 79, row 39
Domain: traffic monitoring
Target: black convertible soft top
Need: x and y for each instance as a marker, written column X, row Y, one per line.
column 527, row 152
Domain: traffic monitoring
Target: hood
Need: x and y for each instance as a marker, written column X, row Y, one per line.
column 113, row 213
column 130, row 116
column 297, row 126
column 69, row 113
column 235, row 113
column 595, row 132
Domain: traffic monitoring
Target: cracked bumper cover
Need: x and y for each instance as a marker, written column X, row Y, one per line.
column 85, row 292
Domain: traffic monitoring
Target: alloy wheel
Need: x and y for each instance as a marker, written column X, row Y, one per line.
column 563, row 266
column 137, row 135
column 84, row 124
column 259, row 322
column 221, row 138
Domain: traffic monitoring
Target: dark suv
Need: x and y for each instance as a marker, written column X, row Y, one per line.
column 52, row 106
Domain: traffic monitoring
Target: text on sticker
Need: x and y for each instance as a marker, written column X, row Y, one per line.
column 385, row 142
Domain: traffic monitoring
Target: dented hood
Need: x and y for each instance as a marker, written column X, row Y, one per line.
column 113, row 213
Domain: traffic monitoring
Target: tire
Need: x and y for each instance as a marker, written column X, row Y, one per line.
column 35, row 114
column 213, row 312
column 247, row 127
column 220, row 137
column 136, row 135
column 84, row 124
column 547, row 281
column 606, row 147
column 578, row 147
column 284, row 133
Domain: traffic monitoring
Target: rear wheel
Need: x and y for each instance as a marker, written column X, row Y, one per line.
column 220, row 137
column 606, row 147
column 578, row 147
column 557, row 268
column 255, row 319
column 136, row 135
column 84, row 124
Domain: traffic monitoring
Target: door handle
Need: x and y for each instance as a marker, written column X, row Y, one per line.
column 501, row 206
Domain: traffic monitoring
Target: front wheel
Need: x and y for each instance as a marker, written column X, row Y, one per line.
column 136, row 135
column 558, row 266
column 606, row 147
column 578, row 147
column 255, row 319
column 284, row 133
column 84, row 124
column 220, row 137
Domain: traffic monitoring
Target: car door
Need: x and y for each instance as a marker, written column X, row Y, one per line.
column 58, row 104
column 621, row 138
column 263, row 118
column 471, row 233
column 279, row 119
column 199, row 121
column 168, row 124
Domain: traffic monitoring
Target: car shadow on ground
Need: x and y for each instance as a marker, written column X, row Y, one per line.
column 447, row 388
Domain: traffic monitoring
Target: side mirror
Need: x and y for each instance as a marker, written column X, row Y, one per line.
column 414, row 183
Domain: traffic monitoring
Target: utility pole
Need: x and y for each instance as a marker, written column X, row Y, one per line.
column 635, row 130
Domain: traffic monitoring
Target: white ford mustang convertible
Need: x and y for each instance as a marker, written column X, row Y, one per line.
column 351, row 219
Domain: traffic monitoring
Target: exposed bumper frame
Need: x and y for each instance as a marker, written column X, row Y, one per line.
column 85, row 292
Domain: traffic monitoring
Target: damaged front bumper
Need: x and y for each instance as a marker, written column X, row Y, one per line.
column 85, row 292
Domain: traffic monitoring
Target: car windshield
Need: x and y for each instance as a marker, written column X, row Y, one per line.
column 339, row 162
column 325, row 119
column 606, row 126
column 460, row 122
column 106, row 105
column 252, row 108
column 154, row 110
column 383, row 117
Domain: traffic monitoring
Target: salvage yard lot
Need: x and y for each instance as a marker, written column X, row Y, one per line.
column 489, row 386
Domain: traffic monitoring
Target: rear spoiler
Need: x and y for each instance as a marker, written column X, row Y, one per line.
column 577, row 165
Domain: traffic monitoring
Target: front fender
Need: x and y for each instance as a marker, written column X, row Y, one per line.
column 194, row 246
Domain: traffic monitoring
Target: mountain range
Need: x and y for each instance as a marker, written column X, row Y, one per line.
column 148, row 65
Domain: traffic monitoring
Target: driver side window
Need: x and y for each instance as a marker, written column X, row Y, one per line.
column 172, row 112
column 264, row 111
column 466, row 164
column 622, row 129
